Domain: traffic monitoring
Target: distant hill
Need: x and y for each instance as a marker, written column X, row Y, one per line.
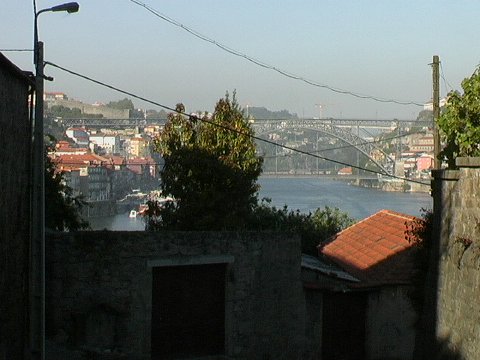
column 264, row 113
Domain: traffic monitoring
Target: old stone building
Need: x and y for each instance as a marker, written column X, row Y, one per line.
column 358, row 292
column 142, row 295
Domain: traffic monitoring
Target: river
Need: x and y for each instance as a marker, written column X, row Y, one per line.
column 307, row 194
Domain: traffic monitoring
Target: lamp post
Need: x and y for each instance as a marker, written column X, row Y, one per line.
column 37, row 265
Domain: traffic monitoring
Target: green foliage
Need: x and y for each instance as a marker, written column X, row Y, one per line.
column 211, row 169
column 425, row 115
column 62, row 209
column 419, row 232
column 124, row 104
column 460, row 122
column 156, row 115
column 264, row 113
column 313, row 228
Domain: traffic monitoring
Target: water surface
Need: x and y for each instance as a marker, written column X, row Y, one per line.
column 307, row 194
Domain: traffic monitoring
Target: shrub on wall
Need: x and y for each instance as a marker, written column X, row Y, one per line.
column 460, row 122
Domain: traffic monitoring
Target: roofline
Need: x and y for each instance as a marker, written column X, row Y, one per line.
column 390, row 212
column 27, row 76
column 353, row 287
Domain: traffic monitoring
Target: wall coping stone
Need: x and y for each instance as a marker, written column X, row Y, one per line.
column 191, row 260
column 468, row 162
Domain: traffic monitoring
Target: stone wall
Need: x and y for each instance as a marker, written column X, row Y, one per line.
column 108, row 113
column 453, row 283
column 15, row 130
column 99, row 287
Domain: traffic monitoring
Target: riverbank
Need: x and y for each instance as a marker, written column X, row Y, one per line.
column 365, row 181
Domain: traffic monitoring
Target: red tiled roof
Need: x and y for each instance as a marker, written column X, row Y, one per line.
column 115, row 159
column 141, row 161
column 374, row 250
column 84, row 159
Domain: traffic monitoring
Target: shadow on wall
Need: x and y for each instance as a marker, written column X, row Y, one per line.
column 444, row 350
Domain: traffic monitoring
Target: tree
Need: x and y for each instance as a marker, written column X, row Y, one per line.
column 312, row 228
column 62, row 209
column 425, row 115
column 460, row 121
column 211, row 168
column 124, row 104
column 156, row 115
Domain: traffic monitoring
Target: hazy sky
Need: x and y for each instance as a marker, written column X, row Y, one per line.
column 380, row 48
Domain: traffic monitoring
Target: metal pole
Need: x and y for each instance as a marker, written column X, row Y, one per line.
column 317, row 152
column 436, row 111
column 37, row 315
column 37, row 251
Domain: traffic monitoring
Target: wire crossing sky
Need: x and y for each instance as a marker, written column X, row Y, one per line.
column 267, row 66
column 374, row 47
column 205, row 120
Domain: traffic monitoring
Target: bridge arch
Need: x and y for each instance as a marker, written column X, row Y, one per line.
column 332, row 131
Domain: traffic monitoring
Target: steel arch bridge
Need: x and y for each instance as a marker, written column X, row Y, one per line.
column 337, row 128
column 327, row 127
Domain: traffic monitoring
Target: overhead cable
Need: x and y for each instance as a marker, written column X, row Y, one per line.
column 267, row 66
column 12, row 50
column 197, row 118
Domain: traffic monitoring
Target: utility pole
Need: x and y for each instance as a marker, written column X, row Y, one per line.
column 436, row 111
column 37, row 271
column 37, row 246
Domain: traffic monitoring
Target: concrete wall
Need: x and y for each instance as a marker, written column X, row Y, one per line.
column 102, row 282
column 15, row 138
column 453, row 286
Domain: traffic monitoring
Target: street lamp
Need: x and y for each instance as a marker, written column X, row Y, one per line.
column 71, row 7
column 37, row 270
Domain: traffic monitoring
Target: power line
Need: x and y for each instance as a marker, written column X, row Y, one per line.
column 265, row 65
column 354, row 145
column 368, row 142
column 196, row 118
column 445, row 81
column 12, row 50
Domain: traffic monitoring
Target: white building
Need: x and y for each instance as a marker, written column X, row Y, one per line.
column 110, row 143
column 429, row 105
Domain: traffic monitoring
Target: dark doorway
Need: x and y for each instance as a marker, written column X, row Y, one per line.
column 343, row 335
column 188, row 311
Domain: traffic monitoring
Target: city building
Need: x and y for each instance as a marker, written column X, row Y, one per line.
column 423, row 144
column 425, row 162
column 79, row 135
column 429, row 105
column 137, row 147
column 109, row 144
column 52, row 96
column 88, row 175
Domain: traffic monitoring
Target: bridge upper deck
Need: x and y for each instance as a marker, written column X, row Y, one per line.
column 260, row 123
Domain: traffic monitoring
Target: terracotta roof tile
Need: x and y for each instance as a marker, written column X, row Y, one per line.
column 374, row 250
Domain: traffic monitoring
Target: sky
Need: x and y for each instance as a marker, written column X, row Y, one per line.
column 379, row 48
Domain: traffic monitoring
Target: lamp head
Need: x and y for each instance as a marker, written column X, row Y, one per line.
column 71, row 7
